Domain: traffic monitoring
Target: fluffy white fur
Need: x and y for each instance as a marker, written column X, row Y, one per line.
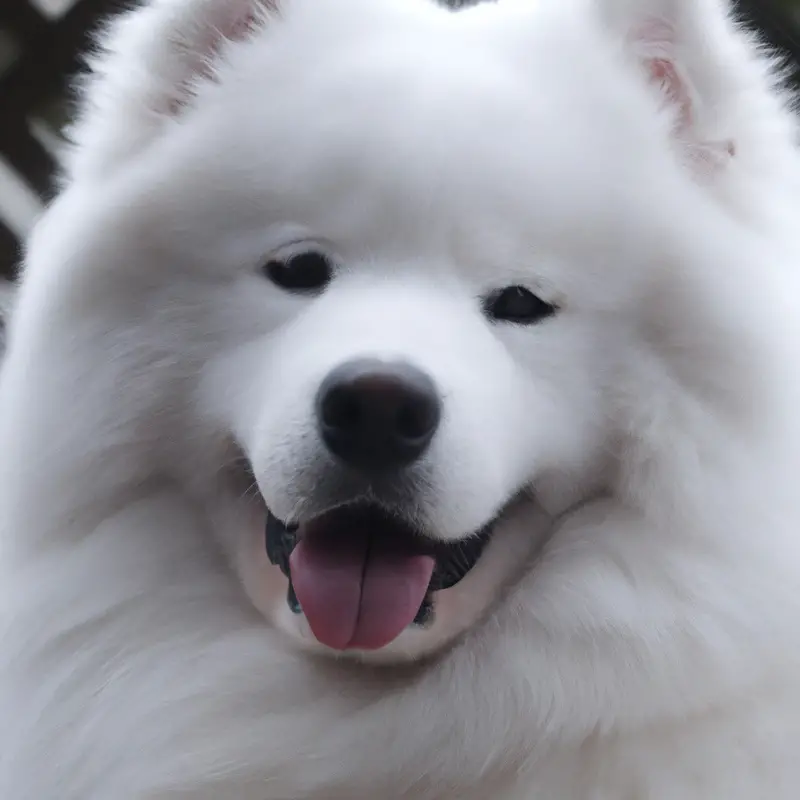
column 633, row 630
column 6, row 305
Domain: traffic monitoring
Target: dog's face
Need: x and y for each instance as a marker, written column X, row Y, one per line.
column 407, row 353
column 392, row 281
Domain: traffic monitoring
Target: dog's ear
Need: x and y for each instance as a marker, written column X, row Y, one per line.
column 700, row 71
column 145, row 70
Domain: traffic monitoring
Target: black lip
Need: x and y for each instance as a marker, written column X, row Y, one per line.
column 281, row 540
column 454, row 560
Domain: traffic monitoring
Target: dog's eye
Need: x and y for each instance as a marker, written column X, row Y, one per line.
column 303, row 272
column 517, row 304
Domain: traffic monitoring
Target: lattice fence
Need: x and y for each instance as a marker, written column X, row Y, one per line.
column 40, row 43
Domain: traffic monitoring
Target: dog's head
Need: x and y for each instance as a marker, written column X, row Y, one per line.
column 391, row 287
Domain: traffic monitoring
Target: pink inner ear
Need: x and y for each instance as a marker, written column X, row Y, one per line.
column 239, row 19
column 663, row 72
column 239, row 22
column 655, row 42
column 244, row 23
column 654, row 39
column 241, row 27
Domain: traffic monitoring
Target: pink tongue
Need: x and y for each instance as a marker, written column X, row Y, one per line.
column 356, row 591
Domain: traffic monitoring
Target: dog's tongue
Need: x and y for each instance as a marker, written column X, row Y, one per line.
column 356, row 590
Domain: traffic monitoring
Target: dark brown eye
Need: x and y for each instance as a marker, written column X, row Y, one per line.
column 518, row 305
column 303, row 273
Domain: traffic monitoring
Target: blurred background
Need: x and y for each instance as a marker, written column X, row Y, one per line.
column 40, row 46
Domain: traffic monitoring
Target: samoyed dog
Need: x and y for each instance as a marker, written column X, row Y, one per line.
column 403, row 403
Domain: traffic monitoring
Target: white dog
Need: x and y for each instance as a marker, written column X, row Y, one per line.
column 402, row 403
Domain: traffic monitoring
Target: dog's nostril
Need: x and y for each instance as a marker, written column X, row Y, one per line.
column 340, row 409
column 376, row 416
column 416, row 419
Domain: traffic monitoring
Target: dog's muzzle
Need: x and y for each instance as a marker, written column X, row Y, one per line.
column 362, row 575
column 358, row 569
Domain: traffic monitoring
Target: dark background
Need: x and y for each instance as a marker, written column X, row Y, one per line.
column 40, row 44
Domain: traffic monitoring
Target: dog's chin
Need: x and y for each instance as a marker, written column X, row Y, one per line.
column 360, row 583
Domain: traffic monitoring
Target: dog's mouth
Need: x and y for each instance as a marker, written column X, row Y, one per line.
column 362, row 576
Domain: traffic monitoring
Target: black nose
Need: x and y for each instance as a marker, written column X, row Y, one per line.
column 377, row 416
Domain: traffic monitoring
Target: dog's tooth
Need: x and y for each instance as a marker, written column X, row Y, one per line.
column 292, row 601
